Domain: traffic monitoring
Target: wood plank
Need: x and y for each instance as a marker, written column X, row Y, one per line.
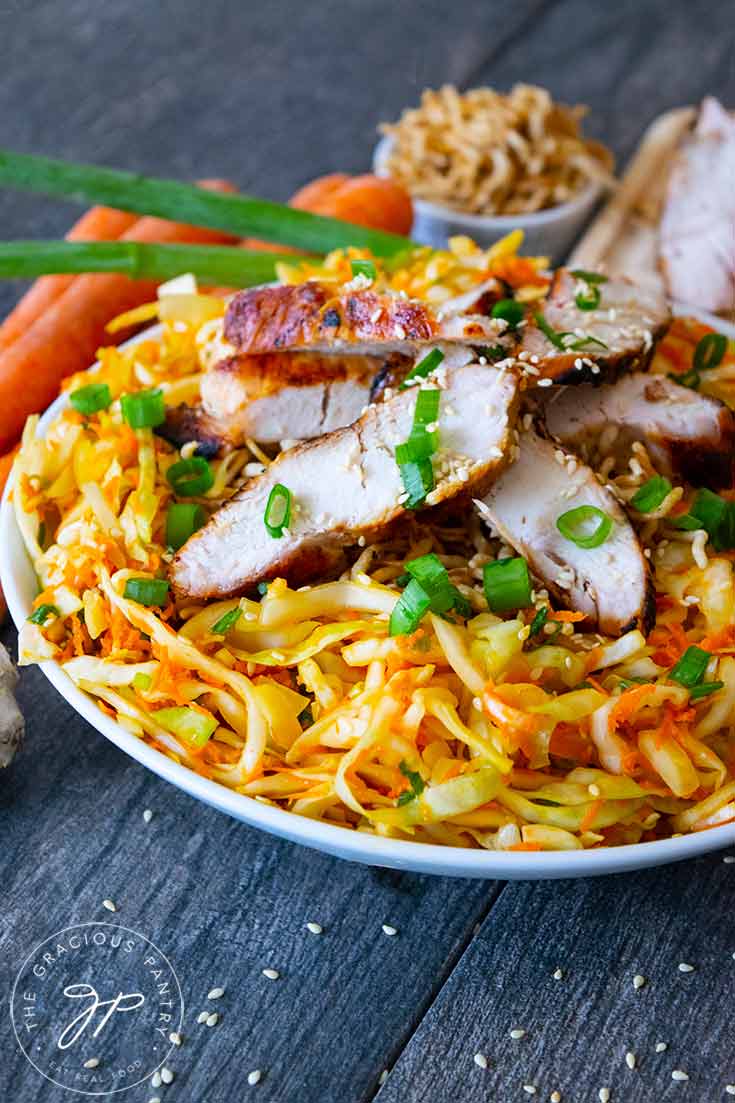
column 601, row 933
column 223, row 901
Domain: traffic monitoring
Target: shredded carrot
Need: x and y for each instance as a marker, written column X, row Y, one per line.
column 627, row 704
column 530, row 847
column 591, row 815
column 568, row 616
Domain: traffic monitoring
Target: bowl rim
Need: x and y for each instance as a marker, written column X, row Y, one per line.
column 363, row 847
column 571, row 208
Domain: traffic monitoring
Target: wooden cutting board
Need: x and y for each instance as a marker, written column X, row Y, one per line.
column 623, row 239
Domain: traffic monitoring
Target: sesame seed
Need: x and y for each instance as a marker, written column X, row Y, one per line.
column 661, row 1047
column 92, row 1063
column 529, row 1089
column 685, row 968
column 630, row 1059
column 271, row 974
column 679, row 1074
column 174, row 1038
column 155, row 1099
column 202, row 1016
column 109, row 905
column 156, row 1079
column 314, row 928
column 729, row 859
column 555, row 1097
column 545, row 383
column 604, row 1095
column 212, row 1019
column 638, row 981
column 147, row 815
column 517, row 1033
column 480, row 1060
column 557, row 974
column 167, row 1076
column 383, row 1076
column 254, row 1077
column 215, row 993
column 730, row 1089
column 387, row 929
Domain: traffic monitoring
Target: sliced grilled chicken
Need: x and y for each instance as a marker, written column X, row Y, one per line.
column 619, row 335
column 347, row 485
column 697, row 233
column 184, row 424
column 611, row 583
column 686, row 433
column 318, row 317
column 282, row 396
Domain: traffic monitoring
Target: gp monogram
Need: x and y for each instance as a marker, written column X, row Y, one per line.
column 93, row 1007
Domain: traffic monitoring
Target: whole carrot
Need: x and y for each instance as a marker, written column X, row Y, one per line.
column 66, row 337
column 97, row 224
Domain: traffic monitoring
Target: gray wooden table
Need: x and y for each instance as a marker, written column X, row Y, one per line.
column 269, row 95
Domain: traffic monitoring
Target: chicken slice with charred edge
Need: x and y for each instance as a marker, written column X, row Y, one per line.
column 321, row 317
column 287, row 395
column 347, row 485
column 588, row 345
column 610, row 583
column 686, row 433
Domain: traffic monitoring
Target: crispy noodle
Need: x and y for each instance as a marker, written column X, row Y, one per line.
column 473, row 734
column 491, row 154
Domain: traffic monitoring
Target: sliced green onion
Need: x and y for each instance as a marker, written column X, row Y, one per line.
column 277, row 516
column 42, row 613
column 588, row 277
column 431, row 574
column 242, row 215
column 713, row 514
column 363, row 268
column 547, row 330
column 426, row 410
column 226, row 265
column 425, row 367
column 507, row 584
column 589, row 299
column 190, row 478
column 226, row 622
column 709, row 352
column 418, row 447
column 418, row 481
column 146, row 591
column 262, row 588
column 690, row 379
column 142, row 682
column 91, row 399
column 414, row 455
column 539, row 620
column 691, row 667
column 650, row 496
column 574, row 526
column 416, row 782
column 182, row 521
column 411, row 606
column 145, row 409
column 509, row 310
column 187, row 723
column 704, row 689
column 560, row 340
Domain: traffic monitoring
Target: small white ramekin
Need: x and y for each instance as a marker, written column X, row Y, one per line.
column 551, row 232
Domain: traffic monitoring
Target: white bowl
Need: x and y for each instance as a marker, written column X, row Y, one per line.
column 20, row 586
column 546, row 233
